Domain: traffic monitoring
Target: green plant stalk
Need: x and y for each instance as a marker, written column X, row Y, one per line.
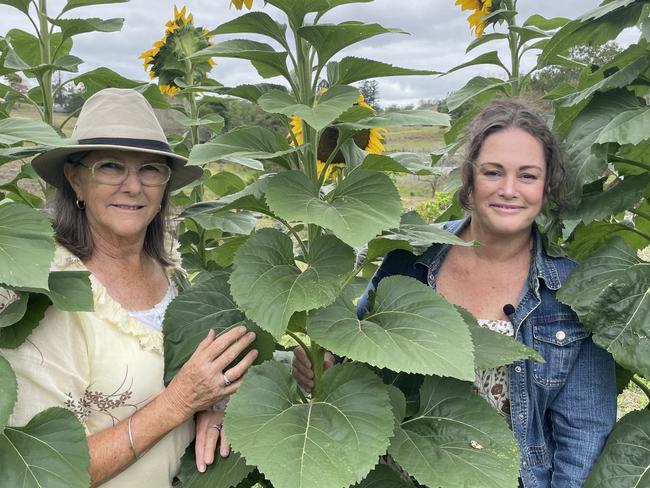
column 189, row 78
column 312, row 359
column 642, row 386
column 318, row 365
column 45, row 80
column 513, row 44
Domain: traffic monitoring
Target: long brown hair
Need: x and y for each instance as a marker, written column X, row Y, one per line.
column 505, row 114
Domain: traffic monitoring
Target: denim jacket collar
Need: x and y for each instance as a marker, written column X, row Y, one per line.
column 542, row 266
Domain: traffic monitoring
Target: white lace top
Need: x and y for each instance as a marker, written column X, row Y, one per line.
column 494, row 384
column 153, row 317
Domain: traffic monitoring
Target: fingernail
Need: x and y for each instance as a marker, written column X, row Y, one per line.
column 202, row 468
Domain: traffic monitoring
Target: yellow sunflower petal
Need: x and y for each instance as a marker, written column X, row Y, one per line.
column 468, row 4
column 239, row 4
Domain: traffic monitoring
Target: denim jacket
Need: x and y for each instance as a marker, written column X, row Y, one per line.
column 562, row 410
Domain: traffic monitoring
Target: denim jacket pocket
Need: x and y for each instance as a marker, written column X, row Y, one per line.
column 558, row 340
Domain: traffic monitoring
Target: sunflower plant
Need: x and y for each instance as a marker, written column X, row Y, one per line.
column 323, row 210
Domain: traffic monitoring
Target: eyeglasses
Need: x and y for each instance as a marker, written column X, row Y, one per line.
column 115, row 173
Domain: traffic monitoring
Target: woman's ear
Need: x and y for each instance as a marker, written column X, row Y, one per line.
column 71, row 173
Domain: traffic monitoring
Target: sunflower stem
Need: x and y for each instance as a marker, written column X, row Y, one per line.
column 45, row 80
column 513, row 44
column 642, row 386
column 189, row 78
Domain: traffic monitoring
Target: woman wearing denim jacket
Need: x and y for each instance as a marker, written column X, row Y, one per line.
column 561, row 411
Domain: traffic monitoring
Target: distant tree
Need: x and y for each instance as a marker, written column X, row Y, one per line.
column 548, row 78
column 370, row 91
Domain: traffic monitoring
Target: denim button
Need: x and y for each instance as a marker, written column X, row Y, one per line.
column 560, row 335
column 518, row 369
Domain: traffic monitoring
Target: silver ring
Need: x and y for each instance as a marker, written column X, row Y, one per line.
column 216, row 426
column 226, row 381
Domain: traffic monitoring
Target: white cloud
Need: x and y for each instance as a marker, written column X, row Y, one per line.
column 438, row 37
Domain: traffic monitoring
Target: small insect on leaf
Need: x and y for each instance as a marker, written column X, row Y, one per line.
column 475, row 445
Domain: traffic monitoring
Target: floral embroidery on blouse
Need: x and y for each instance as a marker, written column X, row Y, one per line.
column 97, row 401
column 493, row 385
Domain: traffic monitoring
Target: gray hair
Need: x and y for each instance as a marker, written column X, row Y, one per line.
column 72, row 231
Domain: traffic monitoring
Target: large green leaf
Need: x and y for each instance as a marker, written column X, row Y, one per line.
column 330, row 106
column 622, row 324
column 400, row 119
column 49, row 451
column 414, row 235
column 255, row 23
column 84, row 3
column 629, row 127
column 26, row 246
column 475, row 87
column 223, row 472
column 587, row 238
column 485, row 38
column 101, row 78
column 265, row 59
column 72, row 27
column 625, row 460
column 594, row 274
column 329, row 39
column 619, row 79
column 14, row 335
column 621, row 197
column 70, row 290
column 269, row 286
column 490, row 57
column 297, row 9
column 352, row 69
column 334, row 440
column 492, row 349
column 359, row 208
column 195, row 311
column 8, row 389
column 456, row 439
column 410, row 163
column 26, row 51
column 594, row 28
column 546, row 24
column 13, row 306
column 245, row 146
column 252, row 93
column 14, row 130
column 410, row 328
column 250, row 198
column 586, row 161
column 233, row 222
column 383, row 477
column 22, row 5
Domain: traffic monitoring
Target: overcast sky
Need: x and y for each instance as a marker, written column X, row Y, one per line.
column 438, row 30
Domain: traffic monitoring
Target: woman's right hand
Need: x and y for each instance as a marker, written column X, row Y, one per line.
column 302, row 370
column 204, row 380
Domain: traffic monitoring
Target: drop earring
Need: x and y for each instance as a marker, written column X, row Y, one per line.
column 81, row 205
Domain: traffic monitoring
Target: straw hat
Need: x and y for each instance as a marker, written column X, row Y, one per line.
column 116, row 118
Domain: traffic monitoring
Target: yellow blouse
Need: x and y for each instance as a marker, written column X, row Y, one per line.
column 101, row 365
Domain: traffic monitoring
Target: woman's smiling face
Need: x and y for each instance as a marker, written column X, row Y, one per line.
column 509, row 182
column 117, row 211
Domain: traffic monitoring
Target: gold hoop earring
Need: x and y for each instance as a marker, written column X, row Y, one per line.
column 81, row 205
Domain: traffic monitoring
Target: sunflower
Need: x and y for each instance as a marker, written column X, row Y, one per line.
column 166, row 60
column 476, row 20
column 238, row 4
column 368, row 139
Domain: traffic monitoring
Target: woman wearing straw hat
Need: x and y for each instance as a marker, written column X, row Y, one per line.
column 107, row 366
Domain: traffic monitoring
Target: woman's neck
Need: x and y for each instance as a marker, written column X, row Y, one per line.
column 118, row 252
column 497, row 248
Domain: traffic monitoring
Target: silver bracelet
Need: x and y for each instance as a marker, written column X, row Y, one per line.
column 135, row 453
